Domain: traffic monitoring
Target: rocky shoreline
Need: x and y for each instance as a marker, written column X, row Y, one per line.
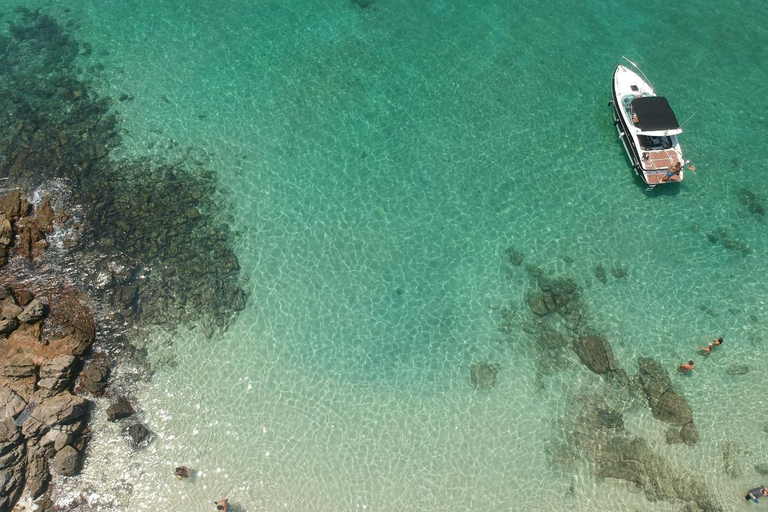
column 46, row 332
column 92, row 248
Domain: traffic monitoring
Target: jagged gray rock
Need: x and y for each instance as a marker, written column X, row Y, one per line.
column 58, row 409
column 11, row 404
column 37, row 476
column 55, row 374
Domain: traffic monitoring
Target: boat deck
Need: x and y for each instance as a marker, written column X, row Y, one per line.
column 660, row 159
column 658, row 177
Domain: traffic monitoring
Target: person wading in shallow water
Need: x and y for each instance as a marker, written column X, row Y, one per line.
column 181, row 472
column 222, row 505
column 686, row 367
column 757, row 492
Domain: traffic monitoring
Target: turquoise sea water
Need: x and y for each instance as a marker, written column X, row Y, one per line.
column 379, row 163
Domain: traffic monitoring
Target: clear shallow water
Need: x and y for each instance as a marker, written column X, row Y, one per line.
column 379, row 163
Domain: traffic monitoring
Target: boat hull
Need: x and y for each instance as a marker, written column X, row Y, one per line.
column 655, row 159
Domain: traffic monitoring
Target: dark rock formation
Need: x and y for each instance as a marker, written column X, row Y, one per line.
column 632, row 459
column 515, row 257
column 598, row 431
column 56, row 373
column 482, row 375
column 120, row 409
column 720, row 236
column 666, row 405
column 552, row 339
column 538, row 305
column 138, row 435
column 596, row 353
column 600, row 274
column 752, row 202
column 674, row 436
column 689, row 434
column 95, row 376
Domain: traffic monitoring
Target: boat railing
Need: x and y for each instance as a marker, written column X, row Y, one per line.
column 638, row 70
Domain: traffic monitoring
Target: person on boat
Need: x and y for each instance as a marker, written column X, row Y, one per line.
column 222, row 505
column 181, row 472
column 686, row 367
column 757, row 492
column 673, row 171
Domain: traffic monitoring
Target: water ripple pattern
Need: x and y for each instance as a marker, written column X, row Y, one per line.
column 381, row 158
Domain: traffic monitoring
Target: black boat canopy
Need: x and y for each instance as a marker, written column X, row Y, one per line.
column 655, row 115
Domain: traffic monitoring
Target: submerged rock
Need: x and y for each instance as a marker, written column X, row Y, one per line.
column 516, row 257
column 600, row 274
column 596, row 353
column 666, row 405
column 731, row 455
column 737, row 369
column 138, row 435
column 689, row 434
column 538, row 305
column 482, row 375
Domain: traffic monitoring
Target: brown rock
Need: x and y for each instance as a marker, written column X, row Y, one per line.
column 737, row 369
column 600, row 274
column 666, row 405
column 23, row 297
column 9, row 309
column 45, row 215
column 94, row 378
column 66, row 461
column 9, row 432
column 120, row 409
column 11, row 403
column 14, row 204
column 674, row 436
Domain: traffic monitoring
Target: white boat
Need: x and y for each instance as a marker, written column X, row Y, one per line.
column 647, row 127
